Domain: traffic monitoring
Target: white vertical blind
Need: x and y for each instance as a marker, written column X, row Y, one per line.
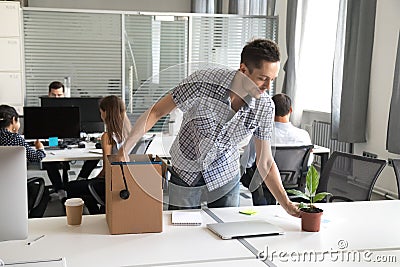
column 156, row 61
column 83, row 46
column 220, row 39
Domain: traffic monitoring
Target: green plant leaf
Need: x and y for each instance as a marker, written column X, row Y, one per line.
column 303, row 206
column 321, row 196
column 298, row 193
column 312, row 180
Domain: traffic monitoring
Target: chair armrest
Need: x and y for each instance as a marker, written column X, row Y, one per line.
column 333, row 198
column 40, row 192
column 91, row 186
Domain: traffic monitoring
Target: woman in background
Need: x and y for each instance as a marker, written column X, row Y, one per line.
column 113, row 114
column 9, row 126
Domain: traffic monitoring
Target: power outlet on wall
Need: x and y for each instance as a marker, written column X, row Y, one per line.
column 369, row 155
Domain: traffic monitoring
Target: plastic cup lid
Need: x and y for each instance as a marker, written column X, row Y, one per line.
column 74, row 202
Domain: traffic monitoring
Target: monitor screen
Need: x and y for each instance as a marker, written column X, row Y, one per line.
column 88, row 107
column 45, row 122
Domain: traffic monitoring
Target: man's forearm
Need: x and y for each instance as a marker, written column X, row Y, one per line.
column 138, row 130
column 274, row 184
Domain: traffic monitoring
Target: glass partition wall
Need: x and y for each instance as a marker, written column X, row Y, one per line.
column 138, row 56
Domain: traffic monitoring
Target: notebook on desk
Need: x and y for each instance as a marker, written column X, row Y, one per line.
column 243, row 229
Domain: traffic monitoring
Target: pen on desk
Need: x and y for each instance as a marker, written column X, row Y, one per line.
column 34, row 240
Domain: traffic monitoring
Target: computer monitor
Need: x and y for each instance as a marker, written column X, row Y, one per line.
column 45, row 122
column 13, row 193
column 91, row 121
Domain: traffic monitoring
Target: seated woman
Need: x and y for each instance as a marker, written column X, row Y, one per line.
column 9, row 126
column 113, row 113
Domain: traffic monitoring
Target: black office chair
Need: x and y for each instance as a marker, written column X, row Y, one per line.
column 292, row 164
column 142, row 145
column 396, row 167
column 97, row 186
column 38, row 197
column 350, row 177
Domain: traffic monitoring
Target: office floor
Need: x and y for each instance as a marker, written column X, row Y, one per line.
column 55, row 207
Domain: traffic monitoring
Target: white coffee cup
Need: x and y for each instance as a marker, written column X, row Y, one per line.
column 74, row 209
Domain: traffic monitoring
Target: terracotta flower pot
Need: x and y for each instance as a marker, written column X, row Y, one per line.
column 311, row 220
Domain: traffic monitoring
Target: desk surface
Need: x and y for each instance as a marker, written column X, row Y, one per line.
column 91, row 244
column 358, row 226
column 160, row 146
column 367, row 225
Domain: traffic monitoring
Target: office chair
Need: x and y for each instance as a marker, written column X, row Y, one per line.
column 38, row 197
column 97, row 186
column 142, row 145
column 350, row 177
column 396, row 168
column 292, row 164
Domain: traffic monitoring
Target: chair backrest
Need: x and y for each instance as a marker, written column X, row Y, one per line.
column 350, row 177
column 292, row 164
column 142, row 145
column 396, row 167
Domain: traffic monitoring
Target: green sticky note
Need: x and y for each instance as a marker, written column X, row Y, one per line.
column 248, row 212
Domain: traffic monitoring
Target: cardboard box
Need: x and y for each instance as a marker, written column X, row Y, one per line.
column 142, row 211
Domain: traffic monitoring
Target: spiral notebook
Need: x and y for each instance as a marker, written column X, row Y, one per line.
column 186, row 218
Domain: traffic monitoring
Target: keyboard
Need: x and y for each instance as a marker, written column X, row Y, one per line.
column 53, row 148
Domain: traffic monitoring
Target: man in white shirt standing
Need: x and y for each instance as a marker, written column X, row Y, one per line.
column 285, row 134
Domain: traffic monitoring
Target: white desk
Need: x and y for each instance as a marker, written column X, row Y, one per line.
column 72, row 154
column 368, row 225
column 91, row 245
column 161, row 145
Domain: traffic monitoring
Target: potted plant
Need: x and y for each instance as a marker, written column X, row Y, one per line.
column 310, row 214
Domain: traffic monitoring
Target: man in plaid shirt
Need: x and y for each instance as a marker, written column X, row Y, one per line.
column 221, row 107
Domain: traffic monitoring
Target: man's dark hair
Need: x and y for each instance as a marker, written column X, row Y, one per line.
column 56, row 85
column 283, row 103
column 257, row 51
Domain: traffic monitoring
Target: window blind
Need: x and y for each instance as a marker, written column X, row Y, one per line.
column 220, row 40
column 156, row 56
column 83, row 46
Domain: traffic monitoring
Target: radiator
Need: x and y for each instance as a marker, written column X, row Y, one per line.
column 321, row 136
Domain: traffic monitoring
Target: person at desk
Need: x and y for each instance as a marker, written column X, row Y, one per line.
column 57, row 90
column 285, row 134
column 113, row 113
column 221, row 107
column 9, row 126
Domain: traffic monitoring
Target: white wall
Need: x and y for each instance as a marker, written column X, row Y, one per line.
column 125, row 5
column 384, row 55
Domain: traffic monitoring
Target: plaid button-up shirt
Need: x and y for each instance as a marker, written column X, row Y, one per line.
column 207, row 143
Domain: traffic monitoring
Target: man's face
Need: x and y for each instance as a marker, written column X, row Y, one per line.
column 56, row 92
column 262, row 76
